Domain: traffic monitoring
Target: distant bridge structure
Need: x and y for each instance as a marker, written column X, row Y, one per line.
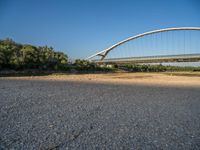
column 181, row 44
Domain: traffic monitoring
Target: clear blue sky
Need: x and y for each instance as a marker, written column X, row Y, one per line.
column 82, row 27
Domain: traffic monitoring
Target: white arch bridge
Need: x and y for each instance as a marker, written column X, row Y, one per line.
column 180, row 44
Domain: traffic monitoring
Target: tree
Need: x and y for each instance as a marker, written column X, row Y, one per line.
column 7, row 48
column 30, row 56
column 19, row 56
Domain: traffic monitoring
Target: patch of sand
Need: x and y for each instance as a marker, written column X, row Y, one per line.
column 162, row 79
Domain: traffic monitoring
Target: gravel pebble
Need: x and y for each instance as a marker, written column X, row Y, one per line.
column 77, row 115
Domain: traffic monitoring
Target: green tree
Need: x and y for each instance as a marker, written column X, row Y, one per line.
column 7, row 48
column 30, row 56
column 19, row 56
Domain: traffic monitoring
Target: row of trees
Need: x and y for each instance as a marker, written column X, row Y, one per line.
column 155, row 68
column 19, row 56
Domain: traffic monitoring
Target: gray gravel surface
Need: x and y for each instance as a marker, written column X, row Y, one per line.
column 74, row 115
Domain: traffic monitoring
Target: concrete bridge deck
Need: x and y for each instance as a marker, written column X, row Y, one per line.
column 152, row 59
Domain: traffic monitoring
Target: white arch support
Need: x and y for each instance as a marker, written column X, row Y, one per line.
column 104, row 53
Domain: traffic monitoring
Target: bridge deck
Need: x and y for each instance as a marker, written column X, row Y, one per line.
column 152, row 59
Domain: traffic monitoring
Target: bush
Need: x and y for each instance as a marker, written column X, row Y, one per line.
column 84, row 65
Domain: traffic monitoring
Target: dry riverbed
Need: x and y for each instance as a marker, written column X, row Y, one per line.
column 100, row 111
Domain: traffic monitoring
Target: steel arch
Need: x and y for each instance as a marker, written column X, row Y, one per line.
column 105, row 52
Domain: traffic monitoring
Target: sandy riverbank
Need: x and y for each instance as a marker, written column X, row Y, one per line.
column 173, row 79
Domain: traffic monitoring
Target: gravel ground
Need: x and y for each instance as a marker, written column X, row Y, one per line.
column 78, row 115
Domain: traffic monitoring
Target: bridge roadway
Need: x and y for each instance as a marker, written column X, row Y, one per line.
column 152, row 59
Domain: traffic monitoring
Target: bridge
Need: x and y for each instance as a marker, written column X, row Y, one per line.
column 180, row 44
